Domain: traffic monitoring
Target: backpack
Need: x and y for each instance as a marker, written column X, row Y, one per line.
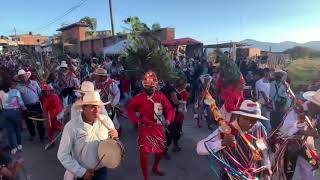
column 280, row 102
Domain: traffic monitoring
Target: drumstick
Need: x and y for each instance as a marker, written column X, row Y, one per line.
column 95, row 168
column 54, row 140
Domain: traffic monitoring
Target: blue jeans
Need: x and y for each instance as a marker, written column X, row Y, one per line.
column 12, row 118
column 100, row 174
column 126, row 97
column 210, row 121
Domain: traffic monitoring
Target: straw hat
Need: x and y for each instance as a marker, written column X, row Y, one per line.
column 86, row 86
column 22, row 72
column 91, row 98
column 250, row 109
column 312, row 96
column 101, row 72
column 63, row 64
column 205, row 77
column 74, row 60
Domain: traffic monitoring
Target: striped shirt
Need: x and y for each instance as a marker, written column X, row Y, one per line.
column 30, row 93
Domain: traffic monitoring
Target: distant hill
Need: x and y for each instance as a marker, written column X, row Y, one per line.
column 282, row 46
column 300, row 52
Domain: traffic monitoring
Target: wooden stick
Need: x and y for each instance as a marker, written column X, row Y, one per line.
column 54, row 140
column 95, row 168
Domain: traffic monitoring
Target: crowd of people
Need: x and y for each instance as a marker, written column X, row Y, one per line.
column 250, row 120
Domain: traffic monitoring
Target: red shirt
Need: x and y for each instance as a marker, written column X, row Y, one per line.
column 52, row 104
column 151, row 136
column 125, row 84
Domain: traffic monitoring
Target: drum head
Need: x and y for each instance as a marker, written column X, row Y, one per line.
column 112, row 151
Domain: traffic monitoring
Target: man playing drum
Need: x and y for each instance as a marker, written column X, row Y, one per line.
column 150, row 104
column 78, row 150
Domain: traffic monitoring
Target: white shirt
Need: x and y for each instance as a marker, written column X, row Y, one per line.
column 262, row 85
column 78, row 149
column 289, row 126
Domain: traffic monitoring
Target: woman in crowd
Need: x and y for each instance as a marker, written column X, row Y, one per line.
column 12, row 104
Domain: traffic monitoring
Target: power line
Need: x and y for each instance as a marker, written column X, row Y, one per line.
column 56, row 19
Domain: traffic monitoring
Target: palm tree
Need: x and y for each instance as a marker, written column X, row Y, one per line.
column 146, row 51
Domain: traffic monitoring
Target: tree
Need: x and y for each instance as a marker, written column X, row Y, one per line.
column 229, row 71
column 156, row 26
column 146, row 52
column 300, row 52
column 92, row 26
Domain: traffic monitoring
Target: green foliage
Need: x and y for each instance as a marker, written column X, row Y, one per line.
column 303, row 72
column 229, row 70
column 300, row 52
column 146, row 52
column 92, row 26
column 121, row 33
column 156, row 26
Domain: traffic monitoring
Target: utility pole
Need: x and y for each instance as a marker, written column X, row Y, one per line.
column 111, row 17
column 15, row 33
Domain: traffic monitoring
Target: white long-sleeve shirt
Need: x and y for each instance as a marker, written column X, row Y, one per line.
column 289, row 126
column 116, row 92
column 78, row 149
column 262, row 86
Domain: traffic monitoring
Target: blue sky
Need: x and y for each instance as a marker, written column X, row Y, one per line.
column 204, row 20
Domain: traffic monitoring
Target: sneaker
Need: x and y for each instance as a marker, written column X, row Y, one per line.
column 14, row 151
column 19, row 147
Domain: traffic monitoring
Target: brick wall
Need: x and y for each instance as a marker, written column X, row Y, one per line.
column 32, row 40
column 86, row 47
column 96, row 45
column 253, row 52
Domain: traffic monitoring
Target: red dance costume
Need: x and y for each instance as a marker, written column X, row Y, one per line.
column 151, row 136
column 51, row 104
column 184, row 97
column 230, row 95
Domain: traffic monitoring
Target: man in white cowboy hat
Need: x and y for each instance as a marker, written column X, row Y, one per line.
column 242, row 146
column 200, row 109
column 66, row 83
column 74, row 67
column 109, row 89
column 31, row 92
column 71, row 111
column 78, row 150
column 299, row 129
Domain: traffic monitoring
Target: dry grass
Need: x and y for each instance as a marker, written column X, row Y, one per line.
column 303, row 72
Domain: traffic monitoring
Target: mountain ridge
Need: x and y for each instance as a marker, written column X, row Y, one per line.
column 282, row 46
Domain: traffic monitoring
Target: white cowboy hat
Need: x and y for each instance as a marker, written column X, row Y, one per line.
column 101, row 72
column 22, row 72
column 205, row 76
column 91, row 98
column 63, row 64
column 86, row 86
column 312, row 96
column 250, row 109
column 74, row 60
